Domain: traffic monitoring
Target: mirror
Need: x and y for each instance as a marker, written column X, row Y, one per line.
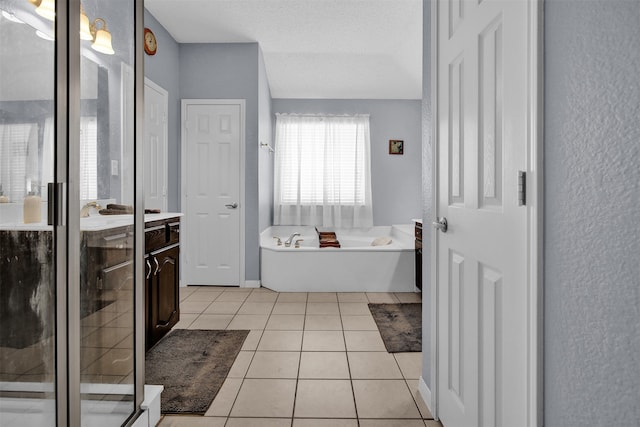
column 27, row 130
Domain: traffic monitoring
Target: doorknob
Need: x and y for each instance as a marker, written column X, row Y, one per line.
column 232, row 206
column 441, row 224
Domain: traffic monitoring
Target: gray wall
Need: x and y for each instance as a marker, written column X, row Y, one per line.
column 162, row 68
column 265, row 158
column 230, row 71
column 395, row 180
column 592, row 213
column 427, row 193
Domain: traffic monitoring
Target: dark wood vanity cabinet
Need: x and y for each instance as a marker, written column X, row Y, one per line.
column 418, row 249
column 162, row 293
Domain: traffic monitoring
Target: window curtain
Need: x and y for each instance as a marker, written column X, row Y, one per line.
column 322, row 171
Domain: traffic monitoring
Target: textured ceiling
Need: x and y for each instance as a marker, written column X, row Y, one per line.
column 335, row 49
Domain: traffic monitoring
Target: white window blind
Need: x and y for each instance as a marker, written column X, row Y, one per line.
column 322, row 170
column 15, row 142
column 88, row 158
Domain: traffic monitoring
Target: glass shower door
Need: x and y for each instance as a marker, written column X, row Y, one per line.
column 107, row 302
column 27, row 251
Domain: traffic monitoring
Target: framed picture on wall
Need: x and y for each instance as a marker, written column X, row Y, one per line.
column 396, row 146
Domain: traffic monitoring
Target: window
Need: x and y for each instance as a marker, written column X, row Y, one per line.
column 322, row 170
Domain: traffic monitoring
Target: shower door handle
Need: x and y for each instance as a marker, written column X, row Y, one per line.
column 232, row 206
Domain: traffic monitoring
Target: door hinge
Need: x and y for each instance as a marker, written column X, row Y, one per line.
column 522, row 188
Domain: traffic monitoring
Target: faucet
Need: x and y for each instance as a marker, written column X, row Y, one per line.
column 287, row 243
column 84, row 212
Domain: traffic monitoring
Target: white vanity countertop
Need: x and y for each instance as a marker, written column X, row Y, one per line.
column 419, row 221
column 93, row 223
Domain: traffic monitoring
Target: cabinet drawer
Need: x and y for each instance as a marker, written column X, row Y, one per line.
column 161, row 235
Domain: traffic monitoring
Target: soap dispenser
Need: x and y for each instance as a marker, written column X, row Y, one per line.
column 3, row 198
column 32, row 211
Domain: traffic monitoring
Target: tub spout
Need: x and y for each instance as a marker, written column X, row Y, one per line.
column 287, row 243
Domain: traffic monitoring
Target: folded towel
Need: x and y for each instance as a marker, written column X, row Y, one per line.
column 329, row 245
column 114, row 212
column 119, row 207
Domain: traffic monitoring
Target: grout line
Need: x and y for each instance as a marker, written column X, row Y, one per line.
column 346, row 353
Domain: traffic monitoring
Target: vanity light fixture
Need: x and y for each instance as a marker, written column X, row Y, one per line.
column 45, row 8
column 101, row 37
column 85, row 25
column 96, row 31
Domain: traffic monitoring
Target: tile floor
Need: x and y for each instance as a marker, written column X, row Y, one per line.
column 310, row 360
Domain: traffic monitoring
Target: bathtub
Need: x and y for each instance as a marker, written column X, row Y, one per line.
column 354, row 267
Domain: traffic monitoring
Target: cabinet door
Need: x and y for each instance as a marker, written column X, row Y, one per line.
column 164, row 310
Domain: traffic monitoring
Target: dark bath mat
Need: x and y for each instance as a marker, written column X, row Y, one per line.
column 400, row 326
column 192, row 365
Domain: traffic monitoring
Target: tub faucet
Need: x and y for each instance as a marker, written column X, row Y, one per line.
column 84, row 212
column 287, row 243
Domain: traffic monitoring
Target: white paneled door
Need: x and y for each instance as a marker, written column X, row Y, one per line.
column 156, row 103
column 483, row 100
column 212, row 191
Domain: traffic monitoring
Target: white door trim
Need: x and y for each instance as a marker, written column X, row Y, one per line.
column 165, row 184
column 535, row 214
column 183, row 167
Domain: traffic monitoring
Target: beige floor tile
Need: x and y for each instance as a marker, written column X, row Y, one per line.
column 256, row 308
column 422, row 406
column 200, row 296
column 258, row 422
column 324, row 365
column 384, row 399
column 322, row 297
column 324, row 398
column 194, row 306
column 241, row 364
column 289, row 308
column 352, row 297
column 221, row 405
column 359, row 323
column 323, row 322
column 382, row 297
column 189, row 421
column 408, row 296
column 274, row 364
column 211, row 321
column 237, row 289
column 262, row 296
column 432, row 423
column 185, row 292
column 265, row 398
column 373, row 365
column 364, row 341
column 231, row 295
column 355, row 308
column 292, row 297
column 252, row 340
column 391, row 423
column 248, row 321
column 286, row 322
column 319, row 422
column 186, row 319
column 322, row 308
column 281, row 341
column 410, row 364
column 323, row 341
column 223, row 307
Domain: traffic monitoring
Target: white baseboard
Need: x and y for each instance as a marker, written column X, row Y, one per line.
column 251, row 284
column 425, row 393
